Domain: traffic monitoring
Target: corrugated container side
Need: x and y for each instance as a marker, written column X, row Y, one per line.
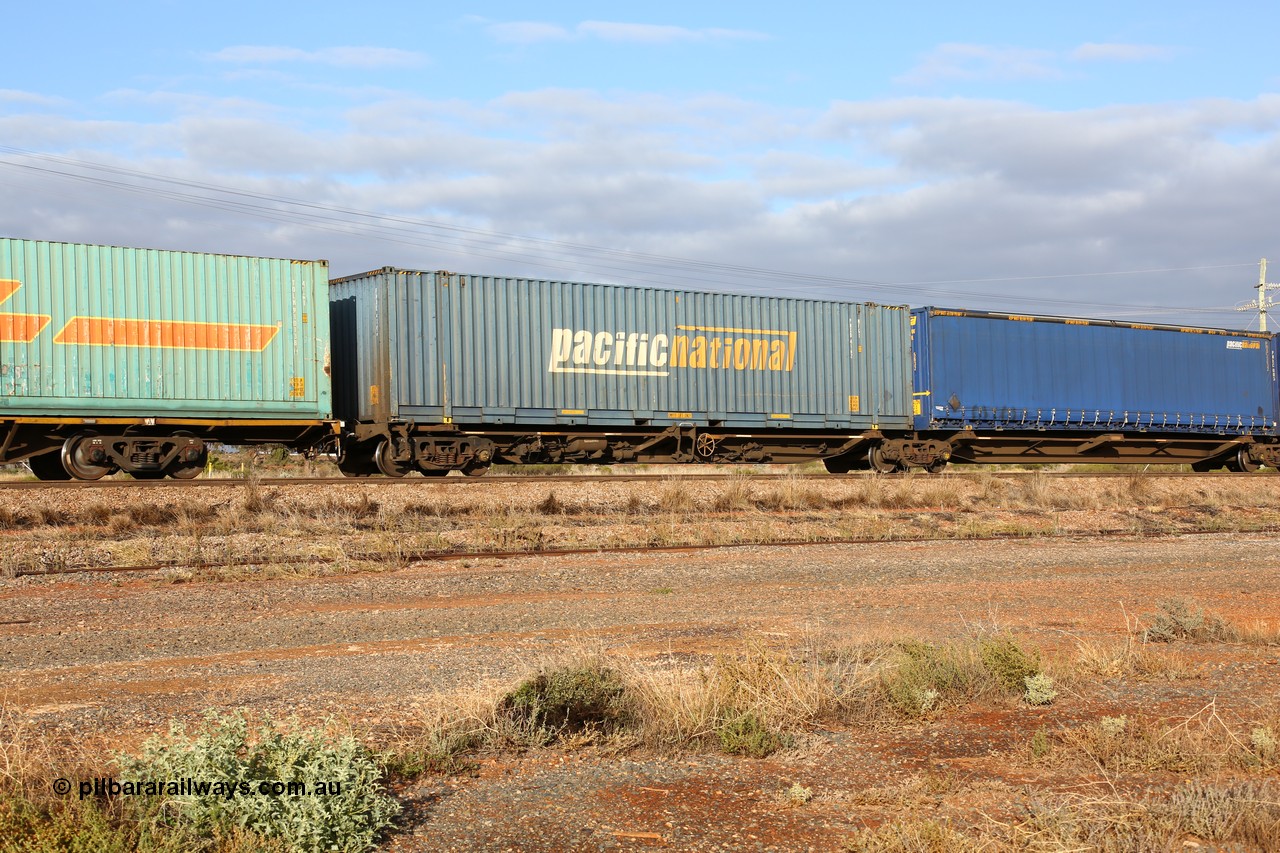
column 103, row 330
column 474, row 349
column 1060, row 373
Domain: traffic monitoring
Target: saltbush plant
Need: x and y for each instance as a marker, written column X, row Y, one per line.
column 1179, row 619
column 245, row 775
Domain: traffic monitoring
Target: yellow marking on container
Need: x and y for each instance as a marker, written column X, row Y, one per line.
column 916, row 408
column 373, row 395
column 789, row 335
column 573, row 411
column 298, row 386
column 1071, row 322
column 734, row 330
column 921, row 394
column 780, row 417
column 855, row 402
column 1021, row 319
column 679, row 414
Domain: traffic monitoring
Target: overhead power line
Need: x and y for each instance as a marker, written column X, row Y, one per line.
column 636, row 267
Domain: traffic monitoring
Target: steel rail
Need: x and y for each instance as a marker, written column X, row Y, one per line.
column 19, row 485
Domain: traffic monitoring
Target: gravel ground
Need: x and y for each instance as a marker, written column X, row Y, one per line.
column 95, row 654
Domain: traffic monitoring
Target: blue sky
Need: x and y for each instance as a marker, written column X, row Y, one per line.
column 1010, row 156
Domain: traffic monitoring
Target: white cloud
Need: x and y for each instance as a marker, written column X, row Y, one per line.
column 16, row 96
column 340, row 57
column 1113, row 52
column 988, row 63
column 909, row 189
column 529, row 32
column 659, row 34
column 970, row 62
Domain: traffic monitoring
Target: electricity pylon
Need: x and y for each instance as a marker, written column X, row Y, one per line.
column 1262, row 303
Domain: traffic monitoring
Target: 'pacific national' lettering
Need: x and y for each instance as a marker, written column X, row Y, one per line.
column 655, row 354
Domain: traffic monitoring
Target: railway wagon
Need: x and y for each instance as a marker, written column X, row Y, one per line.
column 1003, row 388
column 440, row 371
column 134, row 359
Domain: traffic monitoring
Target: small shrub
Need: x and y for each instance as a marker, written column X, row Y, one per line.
column 747, row 734
column 675, row 497
column 1113, row 727
column 736, row 494
column 568, row 700
column 1040, row 690
column 551, row 505
column 1040, row 745
column 927, row 675
column 1262, row 743
column 348, row 818
column 1009, row 664
column 1178, row 619
column 798, row 795
column 443, row 750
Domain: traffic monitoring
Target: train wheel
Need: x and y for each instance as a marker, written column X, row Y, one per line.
column 937, row 466
column 476, row 469
column 877, row 462
column 189, row 471
column 48, row 467
column 1244, row 462
column 77, row 458
column 191, row 468
column 384, row 459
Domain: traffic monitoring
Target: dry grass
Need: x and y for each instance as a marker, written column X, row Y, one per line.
column 251, row 524
column 762, row 698
column 1181, row 620
column 1131, row 658
column 1196, row 815
column 1200, row 743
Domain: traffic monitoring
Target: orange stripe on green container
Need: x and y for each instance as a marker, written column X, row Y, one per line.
column 165, row 334
column 18, row 328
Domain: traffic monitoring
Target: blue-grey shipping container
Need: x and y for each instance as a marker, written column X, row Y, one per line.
column 437, row 347
column 105, row 331
column 1008, row 371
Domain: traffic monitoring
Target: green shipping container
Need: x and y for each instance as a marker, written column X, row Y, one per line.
column 103, row 331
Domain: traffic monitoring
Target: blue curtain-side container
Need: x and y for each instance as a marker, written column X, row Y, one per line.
column 1029, row 372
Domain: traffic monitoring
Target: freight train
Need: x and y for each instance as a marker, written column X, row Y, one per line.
column 138, row 360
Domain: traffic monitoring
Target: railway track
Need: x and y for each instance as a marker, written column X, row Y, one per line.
column 125, row 483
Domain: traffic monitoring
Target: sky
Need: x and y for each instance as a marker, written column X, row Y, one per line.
column 1090, row 159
